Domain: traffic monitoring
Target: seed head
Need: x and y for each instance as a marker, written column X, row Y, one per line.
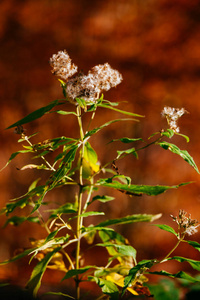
column 172, row 115
column 62, row 65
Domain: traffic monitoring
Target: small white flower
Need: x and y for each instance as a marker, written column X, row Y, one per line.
column 191, row 230
column 62, row 65
column 172, row 115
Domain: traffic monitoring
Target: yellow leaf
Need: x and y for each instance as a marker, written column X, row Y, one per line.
column 119, row 280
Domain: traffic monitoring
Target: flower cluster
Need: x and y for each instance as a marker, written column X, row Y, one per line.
column 87, row 87
column 173, row 114
column 185, row 223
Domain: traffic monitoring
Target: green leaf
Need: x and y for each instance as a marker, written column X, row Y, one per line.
column 74, row 272
column 107, row 287
column 194, row 244
column 63, row 112
column 36, row 114
column 15, row 220
column 19, row 256
column 180, row 274
column 13, row 155
column 95, row 130
column 125, row 250
column 67, row 208
column 194, row 263
column 166, row 228
column 103, row 198
column 127, row 140
column 129, row 219
column 123, row 153
column 137, row 190
column 144, row 264
column 120, row 111
column 35, row 280
column 182, row 153
column 89, row 214
column 168, row 133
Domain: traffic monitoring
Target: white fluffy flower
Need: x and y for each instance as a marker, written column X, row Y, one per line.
column 62, row 65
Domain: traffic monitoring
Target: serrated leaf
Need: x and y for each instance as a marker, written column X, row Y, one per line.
column 129, row 219
column 182, row 153
column 35, row 280
column 166, row 228
column 36, row 114
column 135, row 190
column 194, row 263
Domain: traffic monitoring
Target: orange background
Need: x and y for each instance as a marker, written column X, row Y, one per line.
column 155, row 45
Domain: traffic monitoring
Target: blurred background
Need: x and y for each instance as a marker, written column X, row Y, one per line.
column 155, row 46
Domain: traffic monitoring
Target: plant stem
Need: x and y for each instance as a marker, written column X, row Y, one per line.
column 80, row 196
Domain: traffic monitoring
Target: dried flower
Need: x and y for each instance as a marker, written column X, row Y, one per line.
column 62, row 65
column 87, row 87
column 186, row 225
column 105, row 76
column 172, row 115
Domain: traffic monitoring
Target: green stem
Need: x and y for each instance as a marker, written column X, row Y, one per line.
column 174, row 248
column 80, row 196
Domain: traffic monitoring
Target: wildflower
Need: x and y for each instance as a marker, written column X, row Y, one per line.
column 87, row 87
column 62, row 65
column 172, row 115
column 186, row 225
column 105, row 76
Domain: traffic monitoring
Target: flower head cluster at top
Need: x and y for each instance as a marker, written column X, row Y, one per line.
column 185, row 224
column 172, row 115
column 87, row 87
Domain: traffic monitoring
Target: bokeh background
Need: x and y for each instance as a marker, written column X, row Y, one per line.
column 155, row 45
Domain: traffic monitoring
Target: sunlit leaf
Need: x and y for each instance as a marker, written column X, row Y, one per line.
column 129, row 219
column 180, row 274
column 166, row 228
column 194, row 263
column 194, row 244
column 36, row 114
column 125, row 250
column 137, row 189
column 119, row 280
column 15, row 220
column 182, row 153
column 13, row 155
column 107, row 287
column 95, row 130
column 103, row 198
column 133, row 272
column 120, row 111
column 19, row 256
column 67, row 208
column 35, row 280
